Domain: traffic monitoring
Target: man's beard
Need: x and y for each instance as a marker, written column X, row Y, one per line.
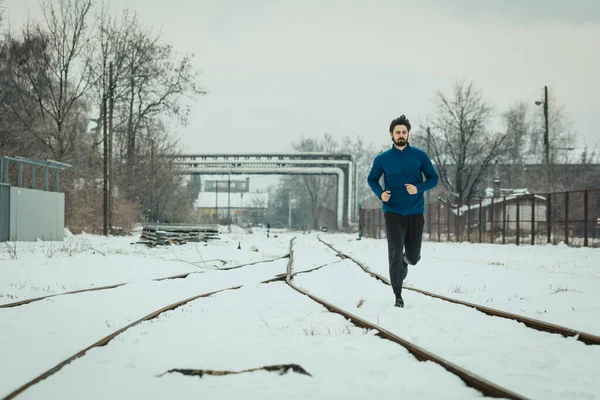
column 400, row 142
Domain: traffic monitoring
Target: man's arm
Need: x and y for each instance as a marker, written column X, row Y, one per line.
column 430, row 174
column 374, row 175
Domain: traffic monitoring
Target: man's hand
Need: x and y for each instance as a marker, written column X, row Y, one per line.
column 411, row 189
column 385, row 196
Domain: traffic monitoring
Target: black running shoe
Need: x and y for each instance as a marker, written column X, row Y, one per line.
column 399, row 302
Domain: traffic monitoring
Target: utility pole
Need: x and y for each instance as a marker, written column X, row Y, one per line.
column 427, row 194
column 547, row 160
column 130, row 133
column 546, row 140
column 131, row 140
column 105, row 168
column 217, row 201
column 152, row 215
column 229, row 202
column 111, row 107
column 290, row 209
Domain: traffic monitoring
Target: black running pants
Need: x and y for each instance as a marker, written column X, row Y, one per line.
column 404, row 234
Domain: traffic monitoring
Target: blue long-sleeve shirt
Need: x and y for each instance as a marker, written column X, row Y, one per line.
column 400, row 167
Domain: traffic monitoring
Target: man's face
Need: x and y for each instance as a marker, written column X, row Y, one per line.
column 400, row 135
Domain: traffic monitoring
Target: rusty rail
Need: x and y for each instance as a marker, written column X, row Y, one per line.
column 179, row 276
column 484, row 386
column 27, row 301
column 104, row 341
column 543, row 326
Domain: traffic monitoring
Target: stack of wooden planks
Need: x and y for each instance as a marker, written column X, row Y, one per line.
column 166, row 234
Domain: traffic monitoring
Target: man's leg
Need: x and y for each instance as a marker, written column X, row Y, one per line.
column 396, row 232
column 404, row 267
column 414, row 238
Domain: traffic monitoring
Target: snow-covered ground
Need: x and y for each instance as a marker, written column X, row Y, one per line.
column 271, row 324
column 557, row 284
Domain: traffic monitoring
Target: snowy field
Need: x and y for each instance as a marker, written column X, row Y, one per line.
column 271, row 324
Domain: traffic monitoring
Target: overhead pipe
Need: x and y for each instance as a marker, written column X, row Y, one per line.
column 352, row 198
column 287, row 171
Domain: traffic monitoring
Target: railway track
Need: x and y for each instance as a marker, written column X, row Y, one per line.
column 471, row 379
column 584, row 337
column 484, row 386
column 114, row 286
column 105, row 340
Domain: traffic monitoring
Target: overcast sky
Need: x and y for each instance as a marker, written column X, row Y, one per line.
column 275, row 70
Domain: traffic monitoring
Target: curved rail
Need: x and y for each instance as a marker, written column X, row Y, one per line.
column 179, row 276
column 104, row 341
column 482, row 385
column 27, row 301
column 543, row 326
column 486, row 387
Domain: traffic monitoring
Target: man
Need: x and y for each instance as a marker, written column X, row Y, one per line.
column 403, row 167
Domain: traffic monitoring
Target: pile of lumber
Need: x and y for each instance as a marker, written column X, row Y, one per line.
column 164, row 234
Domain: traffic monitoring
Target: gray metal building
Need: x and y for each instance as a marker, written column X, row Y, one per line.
column 33, row 212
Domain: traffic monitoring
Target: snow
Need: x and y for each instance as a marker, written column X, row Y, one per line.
column 271, row 324
column 556, row 284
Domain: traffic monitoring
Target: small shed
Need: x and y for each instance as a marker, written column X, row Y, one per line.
column 503, row 210
column 31, row 205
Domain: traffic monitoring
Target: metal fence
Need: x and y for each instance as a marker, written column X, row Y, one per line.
column 22, row 172
column 572, row 218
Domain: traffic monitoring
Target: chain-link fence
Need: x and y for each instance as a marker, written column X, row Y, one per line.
column 569, row 217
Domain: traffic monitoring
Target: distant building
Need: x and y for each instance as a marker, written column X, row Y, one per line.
column 218, row 183
column 218, row 203
column 504, row 208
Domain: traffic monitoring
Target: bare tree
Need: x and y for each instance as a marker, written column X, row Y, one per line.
column 462, row 147
column 362, row 155
column 54, row 77
column 146, row 86
column 160, row 184
column 20, row 116
column 149, row 84
column 258, row 202
column 591, row 155
column 54, row 73
column 519, row 130
column 319, row 189
column 114, row 36
column 157, row 83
